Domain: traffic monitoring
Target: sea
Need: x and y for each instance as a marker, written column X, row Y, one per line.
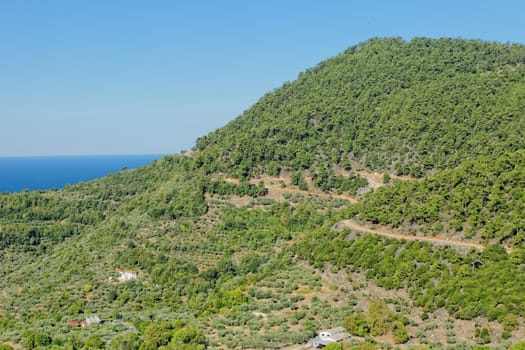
column 18, row 174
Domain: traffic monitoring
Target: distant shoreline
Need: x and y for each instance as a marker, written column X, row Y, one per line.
column 85, row 155
column 19, row 173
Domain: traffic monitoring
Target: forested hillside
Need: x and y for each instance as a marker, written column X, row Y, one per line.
column 242, row 243
column 385, row 104
column 483, row 199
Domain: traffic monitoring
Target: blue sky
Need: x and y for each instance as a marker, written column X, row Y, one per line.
column 131, row 76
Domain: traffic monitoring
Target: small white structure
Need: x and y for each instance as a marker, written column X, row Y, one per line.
column 126, row 275
column 93, row 319
column 328, row 336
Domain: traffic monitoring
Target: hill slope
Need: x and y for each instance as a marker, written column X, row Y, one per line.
column 483, row 199
column 385, row 104
column 258, row 262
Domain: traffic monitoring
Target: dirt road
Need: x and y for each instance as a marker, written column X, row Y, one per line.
column 397, row 235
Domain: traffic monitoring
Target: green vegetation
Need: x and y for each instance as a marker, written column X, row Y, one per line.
column 484, row 198
column 385, row 104
column 476, row 284
column 225, row 264
column 380, row 320
column 207, row 264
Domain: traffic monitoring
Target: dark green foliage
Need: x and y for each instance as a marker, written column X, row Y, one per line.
column 244, row 188
column 34, row 339
column 157, row 335
column 326, row 180
column 297, row 179
column 189, row 336
column 400, row 333
column 357, row 325
column 484, row 197
column 380, row 317
column 435, row 277
column 31, row 219
column 93, row 342
column 510, row 322
column 172, row 272
column 129, row 341
column 379, row 321
column 387, row 104
column 251, row 263
column 482, row 335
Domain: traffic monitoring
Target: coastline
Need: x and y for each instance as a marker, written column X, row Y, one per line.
column 33, row 173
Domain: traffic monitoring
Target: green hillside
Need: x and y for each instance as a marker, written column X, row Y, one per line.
column 242, row 244
column 387, row 104
column 483, row 199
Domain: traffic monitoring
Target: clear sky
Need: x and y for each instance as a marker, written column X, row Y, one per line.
column 150, row 76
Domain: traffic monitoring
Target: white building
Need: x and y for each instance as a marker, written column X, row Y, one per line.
column 93, row 319
column 126, row 275
column 328, row 336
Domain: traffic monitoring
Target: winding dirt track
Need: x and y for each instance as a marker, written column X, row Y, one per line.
column 276, row 192
column 397, row 235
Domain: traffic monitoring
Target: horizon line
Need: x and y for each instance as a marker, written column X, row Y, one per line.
column 88, row 155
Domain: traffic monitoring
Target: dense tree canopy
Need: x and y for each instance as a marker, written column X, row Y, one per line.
column 484, row 198
column 409, row 107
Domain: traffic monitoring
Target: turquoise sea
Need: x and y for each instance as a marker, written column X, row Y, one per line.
column 52, row 172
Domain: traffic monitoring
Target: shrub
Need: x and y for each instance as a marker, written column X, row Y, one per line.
column 33, row 339
column 357, row 325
